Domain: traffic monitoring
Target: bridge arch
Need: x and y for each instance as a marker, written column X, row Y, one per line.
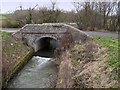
column 45, row 42
column 59, row 33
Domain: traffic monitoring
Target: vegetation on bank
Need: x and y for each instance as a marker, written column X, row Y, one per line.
column 3, row 16
column 112, row 45
column 14, row 55
column 95, row 64
column 5, row 35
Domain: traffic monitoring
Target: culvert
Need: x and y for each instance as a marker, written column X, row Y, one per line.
column 45, row 43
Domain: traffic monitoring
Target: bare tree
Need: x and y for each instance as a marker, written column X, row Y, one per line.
column 78, row 6
column 29, row 20
column 105, row 9
column 53, row 2
column 118, row 15
column 92, row 14
column 84, row 11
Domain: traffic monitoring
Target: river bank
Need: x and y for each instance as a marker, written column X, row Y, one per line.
column 14, row 56
column 88, row 65
column 23, row 68
column 85, row 65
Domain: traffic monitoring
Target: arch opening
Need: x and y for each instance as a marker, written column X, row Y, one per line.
column 47, row 43
column 45, row 46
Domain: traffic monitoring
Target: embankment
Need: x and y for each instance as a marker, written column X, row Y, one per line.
column 85, row 66
column 14, row 55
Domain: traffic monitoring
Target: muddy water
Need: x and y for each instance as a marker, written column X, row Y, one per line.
column 40, row 72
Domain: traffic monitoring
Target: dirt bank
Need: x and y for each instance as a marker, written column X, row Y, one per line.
column 14, row 55
column 84, row 66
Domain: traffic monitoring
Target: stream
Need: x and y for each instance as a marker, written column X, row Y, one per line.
column 39, row 72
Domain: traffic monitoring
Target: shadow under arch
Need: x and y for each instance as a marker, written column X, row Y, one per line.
column 45, row 46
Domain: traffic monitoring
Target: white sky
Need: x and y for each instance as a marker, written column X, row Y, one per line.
column 7, row 6
column 11, row 5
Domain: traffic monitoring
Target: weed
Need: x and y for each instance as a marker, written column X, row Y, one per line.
column 78, row 58
column 75, row 69
column 73, row 59
column 75, row 77
column 97, row 77
column 104, row 68
column 114, row 87
column 76, row 64
column 4, row 35
column 73, row 50
column 80, row 47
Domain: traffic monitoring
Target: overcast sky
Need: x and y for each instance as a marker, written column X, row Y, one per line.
column 11, row 5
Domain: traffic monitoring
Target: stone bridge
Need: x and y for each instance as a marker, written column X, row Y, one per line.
column 52, row 35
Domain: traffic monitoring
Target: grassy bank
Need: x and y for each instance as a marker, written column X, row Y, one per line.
column 3, row 17
column 96, row 64
column 111, row 44
column 93, row 64
column 14, row 55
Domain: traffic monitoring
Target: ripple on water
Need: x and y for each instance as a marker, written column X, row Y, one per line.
column 39, row 72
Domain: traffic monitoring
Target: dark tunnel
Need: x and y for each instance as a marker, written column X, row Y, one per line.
column 45, row 46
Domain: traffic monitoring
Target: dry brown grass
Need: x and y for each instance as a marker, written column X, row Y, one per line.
column 65, row 72
column 88, row 71
column 84, row 66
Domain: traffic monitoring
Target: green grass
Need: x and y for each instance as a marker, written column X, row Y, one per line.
column 3, row 17
column 104, row 68
column 111, row 44
column 114, row 87
column 4, row 35
column 97, row 77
